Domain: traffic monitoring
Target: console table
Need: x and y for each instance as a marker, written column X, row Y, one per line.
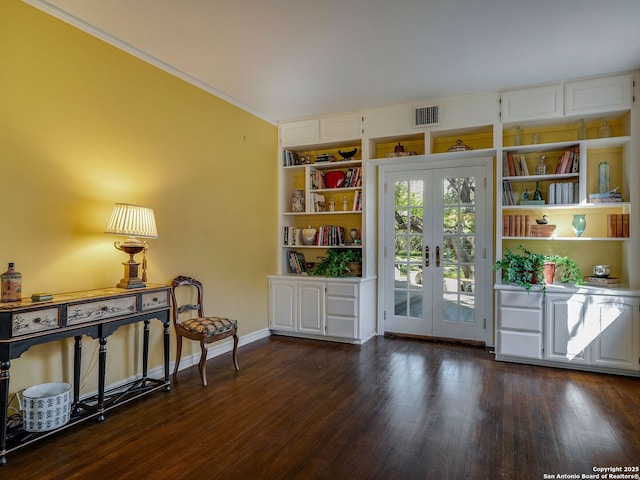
column 97, row 314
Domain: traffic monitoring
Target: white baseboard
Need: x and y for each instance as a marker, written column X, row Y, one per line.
column 214, row 350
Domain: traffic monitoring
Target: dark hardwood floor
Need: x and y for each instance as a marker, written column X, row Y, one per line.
column 391, row 409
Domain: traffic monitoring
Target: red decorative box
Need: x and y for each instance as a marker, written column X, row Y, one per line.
column 334, row 179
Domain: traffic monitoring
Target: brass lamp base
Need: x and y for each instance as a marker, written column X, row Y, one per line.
column 131, row 279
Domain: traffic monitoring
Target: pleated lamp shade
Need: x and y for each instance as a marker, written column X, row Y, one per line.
column 132, row 220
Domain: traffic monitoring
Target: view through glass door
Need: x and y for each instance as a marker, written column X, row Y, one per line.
column 435, row 252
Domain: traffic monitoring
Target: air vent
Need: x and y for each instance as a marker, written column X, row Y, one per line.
column 426, row 116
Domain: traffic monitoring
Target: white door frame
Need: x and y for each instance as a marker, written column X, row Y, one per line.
column 426, row 162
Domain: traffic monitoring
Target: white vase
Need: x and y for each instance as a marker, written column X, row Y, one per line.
column 308, row 235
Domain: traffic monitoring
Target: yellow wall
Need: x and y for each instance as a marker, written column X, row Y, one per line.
column 84, row 125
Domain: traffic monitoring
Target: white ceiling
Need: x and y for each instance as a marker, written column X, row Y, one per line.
column 287, row 59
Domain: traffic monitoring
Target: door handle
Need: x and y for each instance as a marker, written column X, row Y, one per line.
column 438, row 256
column 426, row 255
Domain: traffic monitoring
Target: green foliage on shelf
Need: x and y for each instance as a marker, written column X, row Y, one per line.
column 336, row 262
column 527, row 269
column 567, row 269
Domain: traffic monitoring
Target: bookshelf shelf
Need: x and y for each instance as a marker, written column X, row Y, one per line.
column 567, row 190
column 338, row 180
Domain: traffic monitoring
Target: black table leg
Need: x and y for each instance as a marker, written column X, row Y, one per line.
column 77, row 363
column 145, row 351
column 102, row 370
column 166, row 356
column 4, row 402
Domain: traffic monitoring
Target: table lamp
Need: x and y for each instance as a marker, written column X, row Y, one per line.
column 133, row 221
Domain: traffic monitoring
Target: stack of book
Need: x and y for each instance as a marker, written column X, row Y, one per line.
column 357, row 201
column 317, row 202
column 607, row 197
column 605, row 282
column 568, row 162
column 618, row 225
column 291, row 158
column 563, row 193
column 317, row 180
column 292, row 236
column 297, row 263
column 353, row 178
column 516, row 166
column 545, row 231
column 330, row 235
column 507, row 193
column 515, row 225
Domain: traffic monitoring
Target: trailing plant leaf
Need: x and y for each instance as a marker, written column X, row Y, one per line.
column 336, row 262
column 526, row 269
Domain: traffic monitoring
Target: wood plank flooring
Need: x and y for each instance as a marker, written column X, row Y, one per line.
column 391, row 409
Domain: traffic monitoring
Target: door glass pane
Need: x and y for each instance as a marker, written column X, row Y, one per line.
column 408, row 247
column 458, row 223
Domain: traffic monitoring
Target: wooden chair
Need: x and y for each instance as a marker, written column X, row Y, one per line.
column 201, row 328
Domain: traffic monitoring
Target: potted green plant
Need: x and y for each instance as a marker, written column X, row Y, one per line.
column 567, row 269
column 340, row 262
column 528, row 269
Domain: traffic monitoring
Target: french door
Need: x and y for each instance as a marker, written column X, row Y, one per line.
column 434, row 258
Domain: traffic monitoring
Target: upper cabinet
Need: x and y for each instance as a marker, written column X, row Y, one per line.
column 338, row 128
column 570, row 99
column 537, row 103
column 304, row 132
column 341, row 128
column 598, row 95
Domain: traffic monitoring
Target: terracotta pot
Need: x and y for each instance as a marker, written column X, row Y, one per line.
column 549, row 270
column 355, row 269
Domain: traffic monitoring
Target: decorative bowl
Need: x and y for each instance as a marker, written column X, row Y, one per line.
column 349, row 154
column 459, row 147
column 601, row 270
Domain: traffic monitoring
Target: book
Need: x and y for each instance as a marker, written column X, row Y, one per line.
column 601, row 280
column 317, row 202
column 505, row 225
column 608, row 285
column 523, row 165
column 516, row 166
column 618, row 225
column 576, row 161
column 511, row 165
column 41, row 297
column 292, row 236
column 507, row 197
column 611, row 225
column 357, row 201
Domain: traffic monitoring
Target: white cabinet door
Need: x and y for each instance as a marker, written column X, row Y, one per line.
column 532, row 103
column 567, row 335
column 282, row 305
column 304, row 132
column 616, row 325
column 311, row 308
column 341, row 128
column 598, row 95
